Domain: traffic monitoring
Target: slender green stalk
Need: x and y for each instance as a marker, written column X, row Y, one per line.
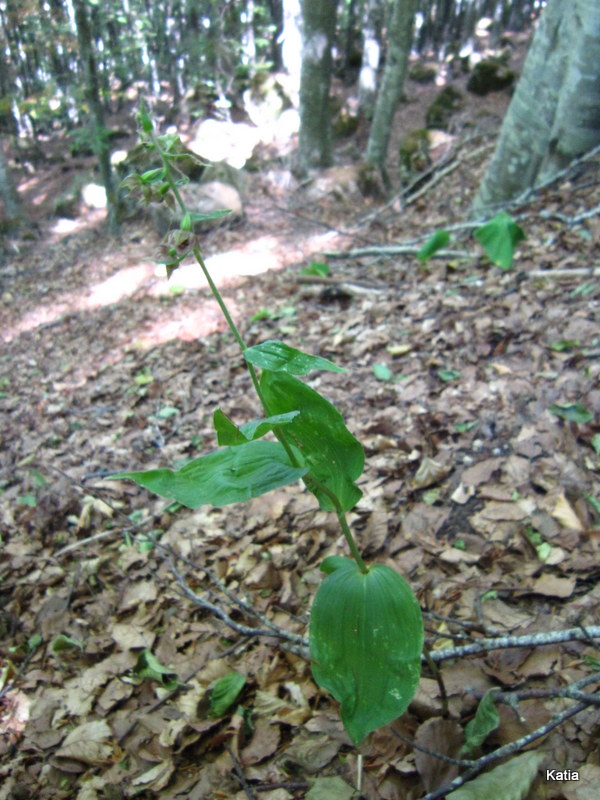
column 278, row 431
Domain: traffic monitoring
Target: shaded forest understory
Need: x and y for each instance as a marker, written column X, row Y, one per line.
column 481, row 486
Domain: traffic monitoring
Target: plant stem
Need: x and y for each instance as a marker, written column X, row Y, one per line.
column 350, row 539
column 277, row 430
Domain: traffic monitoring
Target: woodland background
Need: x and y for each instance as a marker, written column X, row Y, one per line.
column 474, row 390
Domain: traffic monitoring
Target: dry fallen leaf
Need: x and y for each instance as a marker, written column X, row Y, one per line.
column 564, row 513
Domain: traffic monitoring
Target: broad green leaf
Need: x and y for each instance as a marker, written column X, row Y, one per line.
column 167, row 411
column 595, row 442
column 334, row 457
column 34, row 642
column 153, row 175
column 229, row 434
column 485, row 721
column 564, row 345
column 382, row 372
column 224, row 693
column 499, row 237
column 331, row 563
column 63, row 642
column 144, row 376
column 280, row 357
column 144, row 119
column 574, row 412
column 509, row 781
column 222, row 477
column 463, row 427
column 366, row 637
column 316, row 268
column 448, row 375
column 432, row 245
column 264, row 313
column 148, row 666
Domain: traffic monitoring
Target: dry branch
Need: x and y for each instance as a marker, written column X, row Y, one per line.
column 508, row 750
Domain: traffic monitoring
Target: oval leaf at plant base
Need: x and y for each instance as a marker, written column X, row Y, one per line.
column 366, row 638
column 225, row 476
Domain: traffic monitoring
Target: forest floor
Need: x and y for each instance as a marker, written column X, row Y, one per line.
column 482, row 486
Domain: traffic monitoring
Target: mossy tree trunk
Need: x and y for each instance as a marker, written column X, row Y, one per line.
column 554, row 115
column 398, row 49
column 85, row 41
column 314, row 142
column 8, row 192
column 371, row 54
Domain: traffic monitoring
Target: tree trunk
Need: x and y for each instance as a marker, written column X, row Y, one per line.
column 291, row 41
column 92, row 90
column 371, row 53
column 12, row 204
column 314, row 141
column 554, row 115
column 398, row 50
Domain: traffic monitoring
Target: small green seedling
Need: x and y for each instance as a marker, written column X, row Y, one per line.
column 366, row 628
column 499, row 238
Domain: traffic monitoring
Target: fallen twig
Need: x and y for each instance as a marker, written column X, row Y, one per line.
column 508, row 750
column 572, row 692
column 527, row 640
column 577, row 272
column 396, row 250
column 239, row 774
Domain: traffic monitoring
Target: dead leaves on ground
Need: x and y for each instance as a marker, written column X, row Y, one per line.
column 475, row 489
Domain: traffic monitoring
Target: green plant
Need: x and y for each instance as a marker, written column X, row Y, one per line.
column 498, row 237
column 366, row 629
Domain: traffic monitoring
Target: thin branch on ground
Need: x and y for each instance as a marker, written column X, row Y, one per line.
column 215, row 610
column 576, row 272
column 397, row 250
column 508, row 750
column 459, row 762
column 277, row 631
column 239, row 774
column 527, row 640
column 571, row 221
column 572, row 692
column 437, row 177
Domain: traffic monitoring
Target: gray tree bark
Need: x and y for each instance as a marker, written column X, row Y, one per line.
column 291, row 40
column 554, row 115
column 318, row 28
column 398, row 49
column 371, row 53
column 85, row 41
column 12, row 204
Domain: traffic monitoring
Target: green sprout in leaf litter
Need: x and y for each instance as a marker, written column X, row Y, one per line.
column 366, row 627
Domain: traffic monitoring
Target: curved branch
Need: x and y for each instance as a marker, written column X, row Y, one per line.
column 507, row 750
column 528, row 640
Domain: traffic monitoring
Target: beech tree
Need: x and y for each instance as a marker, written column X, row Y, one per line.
column 398, row 49
column 98, row 131
column 8, row 192
column 318, row 28
column 554, row 115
